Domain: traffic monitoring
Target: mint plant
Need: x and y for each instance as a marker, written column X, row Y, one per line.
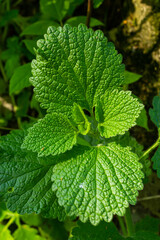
column 78, row 71
column 79, row 160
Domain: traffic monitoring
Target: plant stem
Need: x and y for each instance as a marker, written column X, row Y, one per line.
column 148, row 198
column 121, row 223
column 8, row 224
column 6, row 128
column 3, row 72
column 156, row 144
column 89, row 8
column 15, row 109
column 6, row 26
column 129, row 222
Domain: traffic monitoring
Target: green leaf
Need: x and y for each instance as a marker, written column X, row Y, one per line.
column 98, row 182
column 53, row 9
column 131, row 77
column 20, row 79
column 155, row 117
column 11, row 55
column 73, row 5
column 11, row 64
column 53, row 230
column 27, row 233
column 155, row 111
column 109, row 231
column 32, row 219
column 54, row 134
column 147, row 228
column 3, row 211
column 30, row 45
column 38, row 28
column 97, row 3
column 116, row 112
column 156, row 161
column 85, row 231
column 80, row 119
column 142, row 120
column 144, row 235
column 5, row 233
column 8, row 16
column 58, row 9
column 74, row 65
column 127, row 140
column 75, row 21
column 23, row 104
column 25, row 179
column 148, row 223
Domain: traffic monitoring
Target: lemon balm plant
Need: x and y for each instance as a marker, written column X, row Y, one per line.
column 75, row 161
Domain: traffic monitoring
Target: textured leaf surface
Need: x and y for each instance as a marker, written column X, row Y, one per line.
column 155, row 111
column 98, row 182
column 74, row 65
column 156, row 161
column 54, row 134
column 117, row 112
column 85, row 231
column 126, row 140
column 20, row 79
column 80, row 119
column 25, row 179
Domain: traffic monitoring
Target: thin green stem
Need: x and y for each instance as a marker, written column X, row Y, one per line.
column 8, row 224
column 15, row 109
column 8, row 5
column 6, row 26
column 6, row 128
column 148, row 198
column 129, row 222
column 17, row 221
column 3, row 72
column 150, row 149
column 122, row 225
column 89, row 8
